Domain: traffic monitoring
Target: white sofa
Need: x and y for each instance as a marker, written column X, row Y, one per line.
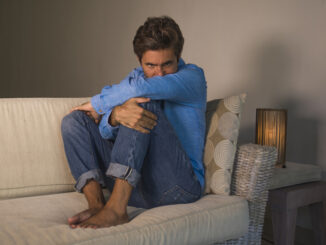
column 37, row 196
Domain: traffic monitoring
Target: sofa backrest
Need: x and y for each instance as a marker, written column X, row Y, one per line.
column 32, row 158
column 33, row 161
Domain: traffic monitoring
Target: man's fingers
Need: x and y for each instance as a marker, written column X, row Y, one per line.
column 141, row 100
column 138, row 128
column 146, row 122
column 86, row 106
column 142, row 130
column 149, row 114
column 77, row 108
column 74, row 109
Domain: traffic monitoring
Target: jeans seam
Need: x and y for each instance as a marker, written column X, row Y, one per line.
column 90, row 139
column 128, row 172
column 131, row 152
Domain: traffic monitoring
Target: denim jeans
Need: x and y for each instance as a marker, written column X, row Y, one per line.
column 154, row 164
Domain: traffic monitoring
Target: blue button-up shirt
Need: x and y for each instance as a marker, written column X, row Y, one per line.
column 184, row 96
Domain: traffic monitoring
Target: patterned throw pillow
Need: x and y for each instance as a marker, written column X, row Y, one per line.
column 223, row 122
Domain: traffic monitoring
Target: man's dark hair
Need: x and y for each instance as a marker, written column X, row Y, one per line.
column 158, row 33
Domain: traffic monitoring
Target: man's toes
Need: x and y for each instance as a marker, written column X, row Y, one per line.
column 73, row 220
column 81, row 217
column 82, row 225
column 73, row 226
column 86, row 226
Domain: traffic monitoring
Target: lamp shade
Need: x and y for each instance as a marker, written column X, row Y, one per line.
column 271, row 131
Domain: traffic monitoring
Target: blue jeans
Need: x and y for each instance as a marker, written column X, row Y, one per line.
column 154, row 164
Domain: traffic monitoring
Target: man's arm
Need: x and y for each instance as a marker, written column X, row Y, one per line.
column 129, row 114
column 185, row 86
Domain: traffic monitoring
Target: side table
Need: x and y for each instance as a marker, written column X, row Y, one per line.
column 284, row 203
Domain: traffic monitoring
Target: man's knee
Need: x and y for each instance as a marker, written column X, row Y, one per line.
column 71, row 122
column 153, row 105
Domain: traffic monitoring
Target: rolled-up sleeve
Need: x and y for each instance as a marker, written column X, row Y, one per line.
column 107, row 131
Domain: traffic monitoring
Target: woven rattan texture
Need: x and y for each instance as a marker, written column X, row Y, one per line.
column 251, row 177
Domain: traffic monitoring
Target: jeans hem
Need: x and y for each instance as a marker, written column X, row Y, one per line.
column 117, row 170
column 94, row 174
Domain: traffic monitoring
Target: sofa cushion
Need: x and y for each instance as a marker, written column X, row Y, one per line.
column 42, row 220
column 32, row 158
column 223, row 122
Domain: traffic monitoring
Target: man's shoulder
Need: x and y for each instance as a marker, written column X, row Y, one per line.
column 183, row 64
column 189, row 67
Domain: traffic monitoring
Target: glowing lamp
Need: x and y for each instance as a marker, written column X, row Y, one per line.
column 271, row 131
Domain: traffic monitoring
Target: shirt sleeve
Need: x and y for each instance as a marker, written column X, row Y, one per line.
column 106, row 130
column 186, row 86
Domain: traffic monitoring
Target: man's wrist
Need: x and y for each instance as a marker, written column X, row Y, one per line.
column 112, row 118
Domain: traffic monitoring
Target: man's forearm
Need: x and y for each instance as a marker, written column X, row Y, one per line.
column 185, row 86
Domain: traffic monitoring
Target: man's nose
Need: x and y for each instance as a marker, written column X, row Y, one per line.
column 159, row 71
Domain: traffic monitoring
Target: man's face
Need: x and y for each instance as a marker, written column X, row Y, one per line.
column 159, row 62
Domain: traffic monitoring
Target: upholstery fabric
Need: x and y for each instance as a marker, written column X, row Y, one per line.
column 43, row 220
column 223, row 123
column 32, row 158
column 295, row 173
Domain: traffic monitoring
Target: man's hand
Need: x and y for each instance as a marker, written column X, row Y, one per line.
column 89, row 110
column 131, row 115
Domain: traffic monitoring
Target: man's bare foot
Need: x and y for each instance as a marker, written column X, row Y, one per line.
column 106, row 217
column 82, row 216
column 95, row 199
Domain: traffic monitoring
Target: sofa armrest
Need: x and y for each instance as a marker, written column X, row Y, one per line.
column 251, row 178
column 253, row 170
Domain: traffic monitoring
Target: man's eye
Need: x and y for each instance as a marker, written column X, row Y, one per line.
column 150, row 65
column 167, row 64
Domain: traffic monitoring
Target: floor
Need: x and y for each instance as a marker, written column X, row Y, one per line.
column 264, row 242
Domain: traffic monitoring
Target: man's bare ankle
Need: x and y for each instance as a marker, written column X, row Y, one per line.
column 96, row 206
column 94, row 195
column 96, row 203
column 117, row 208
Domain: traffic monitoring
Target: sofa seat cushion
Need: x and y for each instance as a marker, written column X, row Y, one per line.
column 293, row 174
column 42, row 220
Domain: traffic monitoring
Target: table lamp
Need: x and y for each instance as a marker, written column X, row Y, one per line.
column 271, row 131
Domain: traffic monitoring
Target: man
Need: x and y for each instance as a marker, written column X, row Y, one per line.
column 148, row 147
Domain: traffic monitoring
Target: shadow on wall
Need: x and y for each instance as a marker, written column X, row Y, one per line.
column 269, row 86
column 302, row 135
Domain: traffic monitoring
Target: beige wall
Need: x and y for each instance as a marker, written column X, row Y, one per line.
column 274, row 50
